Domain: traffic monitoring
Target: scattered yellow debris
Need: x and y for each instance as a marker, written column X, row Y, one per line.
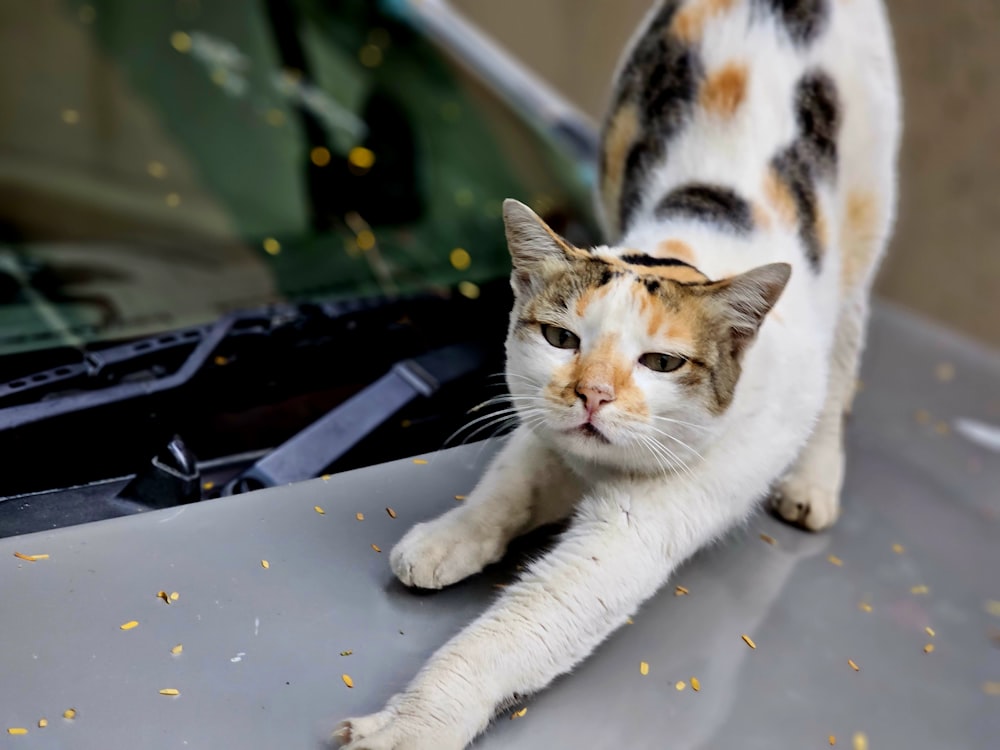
column 346, row 653
column 930, row 631
column 853, row 665
column 420, row 461
column 265, row 564
column 928, row 648
column 347, row 680
column 680, row 591
column 519, row 714
column 834, row 560
column 163, row 595
column 860, row 741
column 695, row 684
column 360, row 516
column 376, row 548
column 391, row 512
column 69, row 713
column 680, row 685
column 748, row 640
column 42, row 723
column 30, row 558
column 865, row 607
column 919, row 590
column 319, row 510
column 178, row 649
column 768, row 538
column 174, row 596
column 129, row 625
column 832, row 740
column 897, row 548
column 460, row 498
column 170, row 691
column 17, row 730
column 643, row 668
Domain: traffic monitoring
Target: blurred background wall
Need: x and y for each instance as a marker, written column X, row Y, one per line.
column 945, row 257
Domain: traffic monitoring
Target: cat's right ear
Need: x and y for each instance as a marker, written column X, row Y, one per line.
column 535, row 249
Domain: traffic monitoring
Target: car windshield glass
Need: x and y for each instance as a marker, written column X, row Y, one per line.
column 163, row 163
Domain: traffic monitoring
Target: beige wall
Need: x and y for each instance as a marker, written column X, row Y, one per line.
column 945, row 258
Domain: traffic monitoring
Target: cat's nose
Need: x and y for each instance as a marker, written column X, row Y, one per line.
column 595, row 396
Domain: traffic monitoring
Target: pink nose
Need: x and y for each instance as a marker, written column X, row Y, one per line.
column 594, row 396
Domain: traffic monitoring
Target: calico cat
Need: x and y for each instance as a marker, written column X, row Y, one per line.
column 701, row 361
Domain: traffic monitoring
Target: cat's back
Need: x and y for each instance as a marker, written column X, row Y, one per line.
column 771, row 104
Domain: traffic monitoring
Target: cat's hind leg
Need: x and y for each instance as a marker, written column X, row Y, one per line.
column 526, row 486
column 809, row 494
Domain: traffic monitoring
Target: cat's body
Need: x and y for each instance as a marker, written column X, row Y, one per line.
column 667, row 382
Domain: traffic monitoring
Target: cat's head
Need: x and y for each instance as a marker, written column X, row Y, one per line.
column 621, row 360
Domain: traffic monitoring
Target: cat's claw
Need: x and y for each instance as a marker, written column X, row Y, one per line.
column 807, row 505
column 444, row 551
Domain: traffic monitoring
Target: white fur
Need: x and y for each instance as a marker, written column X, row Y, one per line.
column 637, row 513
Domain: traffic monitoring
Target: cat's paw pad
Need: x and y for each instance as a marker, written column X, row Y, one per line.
column 805, row 504
column 437, row 554
column 387, row 730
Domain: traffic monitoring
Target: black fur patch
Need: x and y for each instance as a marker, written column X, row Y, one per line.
column 812, row 156
column 804, row 20
column 652, row 285
column 817, row 110
column 710, row 203
column 662, row 77
column 606, row 276
column 649, row 260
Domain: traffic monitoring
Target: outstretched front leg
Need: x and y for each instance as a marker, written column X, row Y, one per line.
column 623, row 544
column 525, row 487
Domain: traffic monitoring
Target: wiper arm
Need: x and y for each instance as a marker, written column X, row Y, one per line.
column 307, row 453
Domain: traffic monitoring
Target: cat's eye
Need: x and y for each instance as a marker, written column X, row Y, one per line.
column 560, row 337
column 661, row 362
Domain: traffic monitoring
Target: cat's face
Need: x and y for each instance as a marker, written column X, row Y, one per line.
column 626, row 362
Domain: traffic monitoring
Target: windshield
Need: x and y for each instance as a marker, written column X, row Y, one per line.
column 163, row 163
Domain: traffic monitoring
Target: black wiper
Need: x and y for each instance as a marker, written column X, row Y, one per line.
column 155, row 364
column 306, row 454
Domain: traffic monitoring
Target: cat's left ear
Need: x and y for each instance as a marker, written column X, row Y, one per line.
column 535, row 249
column 748, row 298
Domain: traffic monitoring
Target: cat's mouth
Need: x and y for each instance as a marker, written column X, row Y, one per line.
column 587, row 429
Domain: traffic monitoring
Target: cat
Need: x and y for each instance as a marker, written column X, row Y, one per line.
column 702, row 361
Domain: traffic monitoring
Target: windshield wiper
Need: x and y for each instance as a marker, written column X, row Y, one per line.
column 157, row 364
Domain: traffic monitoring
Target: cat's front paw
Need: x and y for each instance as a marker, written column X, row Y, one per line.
column 393, row 730
column 444, row 551
column 806, row 504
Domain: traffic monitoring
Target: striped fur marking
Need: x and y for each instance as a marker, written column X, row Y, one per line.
column 803, row 20
column 713, row 204
column 660, row 80
column 641, row 259
column 724, row 90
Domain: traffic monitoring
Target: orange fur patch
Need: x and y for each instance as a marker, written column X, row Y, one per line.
column 761, row 217
column 622, row 131
column 780, row 199
column 673, row 248
column 858, row 236
column 601, row 366
column 822, row 230
column 689, row 22
column 724, row 90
